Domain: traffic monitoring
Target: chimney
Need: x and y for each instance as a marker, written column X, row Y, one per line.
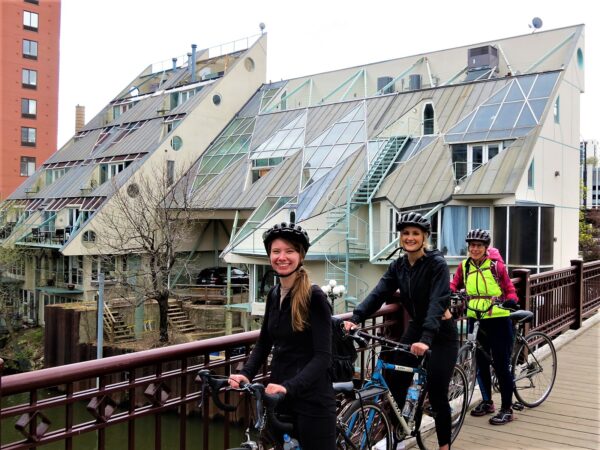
column 79, row 118
column 174, row 63
column 193, row 64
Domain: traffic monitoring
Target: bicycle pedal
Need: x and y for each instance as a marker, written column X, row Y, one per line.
column 518, row 406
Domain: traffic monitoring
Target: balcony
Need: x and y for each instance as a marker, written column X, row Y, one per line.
column 43, row 237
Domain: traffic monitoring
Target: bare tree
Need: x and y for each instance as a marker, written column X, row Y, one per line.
column 12, row 258
column 146, row 216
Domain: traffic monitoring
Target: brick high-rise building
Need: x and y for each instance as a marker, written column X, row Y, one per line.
column 29, row 57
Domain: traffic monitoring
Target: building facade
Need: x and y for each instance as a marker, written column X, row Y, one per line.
column 485, row 135
column 29, row 42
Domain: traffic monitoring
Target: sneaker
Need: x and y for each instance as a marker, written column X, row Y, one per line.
column 504, row 416
column 484, row 407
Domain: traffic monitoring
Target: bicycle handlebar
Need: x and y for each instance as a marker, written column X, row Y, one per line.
column 215, row 384
column 388, row 342
column 265, row 403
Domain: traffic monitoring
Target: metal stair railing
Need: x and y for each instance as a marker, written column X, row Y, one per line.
column 109, row 322
column 380, row 167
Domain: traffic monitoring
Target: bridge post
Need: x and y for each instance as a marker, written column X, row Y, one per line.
column 578, row 293
column 523, row 288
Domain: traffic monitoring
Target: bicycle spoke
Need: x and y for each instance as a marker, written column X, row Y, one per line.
column 534, row 369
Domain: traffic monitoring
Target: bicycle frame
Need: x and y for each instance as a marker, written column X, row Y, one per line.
column 377, row 387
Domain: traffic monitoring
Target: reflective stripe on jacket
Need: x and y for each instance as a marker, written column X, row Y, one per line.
column 481, row 286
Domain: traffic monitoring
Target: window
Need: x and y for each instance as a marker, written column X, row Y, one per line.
column 428, row 116
column 28, row 136
column 467, row 158
column 27, row 166
column 30, row 20
column 170, row 172
column 108, row 171
column 530, row 175
column 456, row 221
column 28, row 108
column 30, row 49
column 29, row 78
column 35, row 2
column 557, row 110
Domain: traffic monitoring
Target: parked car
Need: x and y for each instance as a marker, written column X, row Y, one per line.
column 218, row 276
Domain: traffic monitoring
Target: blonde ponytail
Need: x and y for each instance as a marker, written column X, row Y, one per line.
column 301, row 290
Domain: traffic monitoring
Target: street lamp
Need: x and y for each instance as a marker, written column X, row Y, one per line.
column 334, row 291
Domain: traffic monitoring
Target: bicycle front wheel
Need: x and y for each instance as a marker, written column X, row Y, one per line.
column 534, row 368
column 364, row 427
column 458, row 393
column 467, row 362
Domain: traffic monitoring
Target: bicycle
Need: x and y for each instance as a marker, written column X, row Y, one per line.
column 533, row 362
column 271, row 426
column 367, row 419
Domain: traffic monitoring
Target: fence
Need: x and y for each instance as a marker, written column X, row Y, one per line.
column 121, row 391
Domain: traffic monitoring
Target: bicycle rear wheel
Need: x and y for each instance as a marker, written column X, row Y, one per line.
column 534, row 368
column 458, row 393
column 467, row 362
column 364, row 435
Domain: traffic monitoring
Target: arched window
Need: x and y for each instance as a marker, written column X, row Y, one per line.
column 428, row 116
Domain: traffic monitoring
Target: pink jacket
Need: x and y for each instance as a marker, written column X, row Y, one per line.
column 501, row 275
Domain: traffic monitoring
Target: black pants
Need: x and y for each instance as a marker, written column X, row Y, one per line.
column 444, row 351
column 496, row 338
column 316, row 433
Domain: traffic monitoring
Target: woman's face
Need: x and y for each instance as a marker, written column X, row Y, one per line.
column 284, row 257
column 412, row 239
column 477, row 250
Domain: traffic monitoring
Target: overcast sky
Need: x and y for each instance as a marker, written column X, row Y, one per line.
column 106, row 44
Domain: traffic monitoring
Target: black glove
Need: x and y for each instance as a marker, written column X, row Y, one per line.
column 510, row 304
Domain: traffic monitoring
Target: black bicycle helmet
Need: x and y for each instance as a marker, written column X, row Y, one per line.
column 479, row 235
column 289, row 232
column 413, row 219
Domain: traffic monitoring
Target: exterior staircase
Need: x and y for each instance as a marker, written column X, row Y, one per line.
column 179, row 321
column 352, row 230
column 380, row 167
column 115, row 328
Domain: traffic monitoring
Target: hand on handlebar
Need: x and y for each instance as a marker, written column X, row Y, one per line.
column 273, row 388
column 235, row 380
column 349, row 326
column 419, row 348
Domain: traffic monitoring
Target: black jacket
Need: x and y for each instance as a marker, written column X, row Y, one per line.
column 424, row 292
column 301, row 360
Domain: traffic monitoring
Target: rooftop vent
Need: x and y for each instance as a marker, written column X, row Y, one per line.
column 383, row 82
column 483, row 57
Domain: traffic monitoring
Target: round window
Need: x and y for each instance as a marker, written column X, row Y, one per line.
column 176, row 143
column 217, row 99
column 249, row 64
column 580, row 58
column 133, row 190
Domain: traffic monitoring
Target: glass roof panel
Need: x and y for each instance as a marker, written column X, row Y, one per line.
column 230, row 146
column 543, row 85
column 514, row 93
column 538, row 107
column 334, row 134
column 484, row 117
column 526, row 118
column 518, row 132
column 498, row 97
column 526, row 83
column 507, row 116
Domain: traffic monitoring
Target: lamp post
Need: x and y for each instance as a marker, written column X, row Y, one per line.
column 334, row 291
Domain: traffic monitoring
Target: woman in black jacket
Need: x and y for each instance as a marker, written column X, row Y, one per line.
column 297, row 327
column 422, row 278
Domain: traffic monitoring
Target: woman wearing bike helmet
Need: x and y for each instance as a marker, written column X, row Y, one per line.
column 297, row 328
column 421, row 276
column 486, row 279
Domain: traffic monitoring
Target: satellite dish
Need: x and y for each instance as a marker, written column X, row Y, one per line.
column 262, row 27
column 536, row 23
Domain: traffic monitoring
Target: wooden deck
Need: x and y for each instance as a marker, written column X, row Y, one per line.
column 569, row 418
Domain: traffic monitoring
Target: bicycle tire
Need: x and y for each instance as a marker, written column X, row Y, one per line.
column 534, row 366
column 457, row 395
column 378, row 425
column 468, row 363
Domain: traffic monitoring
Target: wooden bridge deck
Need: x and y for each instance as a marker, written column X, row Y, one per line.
column 569, row 418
